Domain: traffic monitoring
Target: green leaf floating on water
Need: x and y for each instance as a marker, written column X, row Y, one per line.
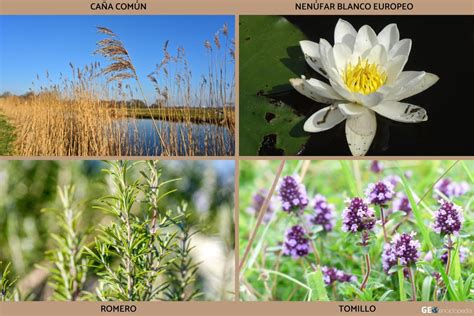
column 269, row 57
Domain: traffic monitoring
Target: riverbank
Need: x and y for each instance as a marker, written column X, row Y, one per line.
column 218, row 116
column 6, row 136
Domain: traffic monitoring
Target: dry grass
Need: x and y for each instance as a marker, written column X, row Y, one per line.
column 71, row 119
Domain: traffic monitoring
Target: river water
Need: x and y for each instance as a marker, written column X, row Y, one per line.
column 181, row 139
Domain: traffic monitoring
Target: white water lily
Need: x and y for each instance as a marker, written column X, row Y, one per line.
column 365, row 76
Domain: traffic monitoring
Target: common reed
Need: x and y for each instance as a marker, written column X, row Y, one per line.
column 95, row 110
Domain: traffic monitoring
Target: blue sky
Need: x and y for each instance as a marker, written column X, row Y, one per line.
column 30, row 45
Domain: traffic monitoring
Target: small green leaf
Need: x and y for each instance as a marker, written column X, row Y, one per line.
column 316, row 283
column 395, row 268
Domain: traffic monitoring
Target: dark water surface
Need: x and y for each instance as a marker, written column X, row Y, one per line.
column 186, row 139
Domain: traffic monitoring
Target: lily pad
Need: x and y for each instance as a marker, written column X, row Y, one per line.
column 269, row 57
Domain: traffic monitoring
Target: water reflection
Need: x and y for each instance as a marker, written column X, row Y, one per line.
column 181, row 139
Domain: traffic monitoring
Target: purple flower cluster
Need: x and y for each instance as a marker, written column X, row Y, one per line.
column 450, row 188
column 323, row 213
column 448, row 219
column 257, row 202
column 380, row 193
column 376, row 166
column 332, row 275
column 358, row 216
column 404, row 248
column 463, row 254
column 401, row 203
column 293, row 194
column 296, row 243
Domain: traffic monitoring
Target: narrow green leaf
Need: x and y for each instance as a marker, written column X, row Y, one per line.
column 426, row 289
column 385, row 295
column 347, row 171
column 416, row 211
column 401, row 285
column 257, row 249
column 467, row 285
column 455, row 272
column 468, row 172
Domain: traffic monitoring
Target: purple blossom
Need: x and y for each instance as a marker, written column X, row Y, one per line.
column 376, row 166
column 406, row 248
column 389, row 258
column 323, row 213
column 448, row 219
column 401, row 203
column 358, row 216
column 332, row 275
column 393, row 179
column 257, row 202
column 379, row 193
column 463, row 254
column 296, row 243
column 403, row 249
column 293, row 194
column 450, row 188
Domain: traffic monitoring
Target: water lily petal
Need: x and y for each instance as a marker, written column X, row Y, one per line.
column 360, row 132
column 313, row 58
column 394, row 67
column 324, row 119
column 389, row 36
column 401, row 112
column 402, row 47
column 369, row 100
column 327, row 59
column 345, row 33
column 341, row 89
column 315, row 90
column 410, row 83
column 366, row 39
column 342, row 54
column 351, row 109
column 377, row 55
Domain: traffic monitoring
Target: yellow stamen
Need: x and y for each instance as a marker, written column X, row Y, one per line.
column 364, row 78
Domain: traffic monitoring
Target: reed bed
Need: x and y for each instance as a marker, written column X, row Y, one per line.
column 96, row 111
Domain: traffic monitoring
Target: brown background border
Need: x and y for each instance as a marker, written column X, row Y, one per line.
column 227, row 308
column 425, row 7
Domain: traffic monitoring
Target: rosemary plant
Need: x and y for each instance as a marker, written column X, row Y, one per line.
column 182, row 271
column 70, row 265
column 135, row 253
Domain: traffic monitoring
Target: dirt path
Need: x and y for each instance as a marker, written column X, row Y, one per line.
column 6, row 136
